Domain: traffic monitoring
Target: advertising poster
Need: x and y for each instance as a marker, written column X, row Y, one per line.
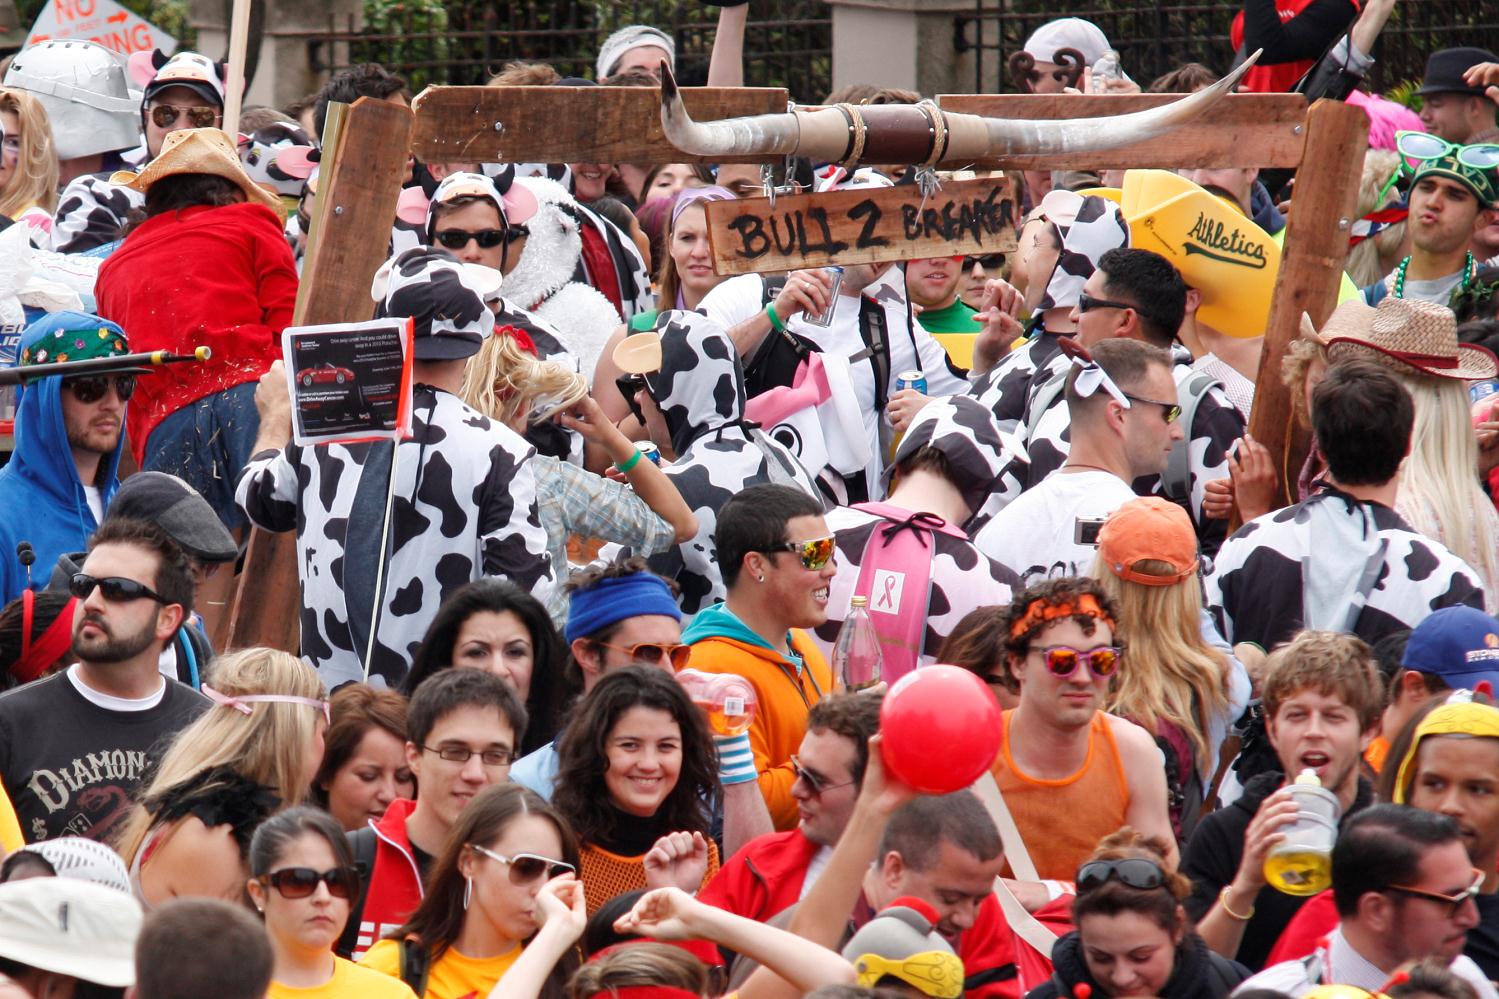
column 349, row 381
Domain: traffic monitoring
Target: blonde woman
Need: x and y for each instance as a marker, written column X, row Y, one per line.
column 1175, row 685
column 28, row 161
column 507, row 382
column 1440, row 495
column 253, row 752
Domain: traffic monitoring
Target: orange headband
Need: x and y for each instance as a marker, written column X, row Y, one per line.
column 1040, row 612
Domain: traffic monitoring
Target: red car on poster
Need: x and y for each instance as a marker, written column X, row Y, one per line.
column 323, row 374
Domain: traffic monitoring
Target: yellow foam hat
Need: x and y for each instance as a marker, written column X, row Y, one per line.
column 1231, row 261
column 1143, row 188
column 1114, row 194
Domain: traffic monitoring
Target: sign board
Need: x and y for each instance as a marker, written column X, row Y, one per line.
column 102, row 21
column 349, row 381
column 859, row 227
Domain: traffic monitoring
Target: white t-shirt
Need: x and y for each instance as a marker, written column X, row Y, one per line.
column 739, row 299
column 1034, row 535
column 95, row 502
column 109, row 702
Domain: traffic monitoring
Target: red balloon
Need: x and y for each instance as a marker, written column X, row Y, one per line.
column 941, row 729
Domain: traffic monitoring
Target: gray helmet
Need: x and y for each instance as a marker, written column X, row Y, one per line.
column 84, row 87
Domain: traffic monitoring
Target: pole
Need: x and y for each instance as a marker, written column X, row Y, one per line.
column 234, row 86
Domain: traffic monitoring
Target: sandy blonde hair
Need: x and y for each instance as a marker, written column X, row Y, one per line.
column 1170, row 673
column 267, row 746
column 1439, row 492
column 1364, row 263
column 34, row 184
column 503, row 381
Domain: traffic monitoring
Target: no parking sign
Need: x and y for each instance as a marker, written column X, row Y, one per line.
column 102, row 21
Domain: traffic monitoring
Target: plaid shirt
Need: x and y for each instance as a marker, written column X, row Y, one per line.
column 573, row 501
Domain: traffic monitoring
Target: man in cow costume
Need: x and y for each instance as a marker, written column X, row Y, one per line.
column 691, row 397
column 465, row 493
column 186, row 91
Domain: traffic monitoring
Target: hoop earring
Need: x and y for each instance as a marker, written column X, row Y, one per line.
column 468, row 891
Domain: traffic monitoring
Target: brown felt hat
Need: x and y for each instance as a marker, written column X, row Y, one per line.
column 1406, row 334
column 199, row 150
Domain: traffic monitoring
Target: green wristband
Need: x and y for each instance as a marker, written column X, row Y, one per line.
column 625, row 466
column 775, row 320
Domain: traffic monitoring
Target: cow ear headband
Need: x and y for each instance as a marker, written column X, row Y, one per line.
column 1091, row 378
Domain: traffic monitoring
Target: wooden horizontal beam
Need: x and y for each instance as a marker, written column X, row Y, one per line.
column 569, row 124
column 1243, row 130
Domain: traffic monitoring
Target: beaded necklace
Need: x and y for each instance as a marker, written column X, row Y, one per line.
column 1469, row 269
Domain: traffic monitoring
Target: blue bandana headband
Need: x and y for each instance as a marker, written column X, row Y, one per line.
column 612, row 600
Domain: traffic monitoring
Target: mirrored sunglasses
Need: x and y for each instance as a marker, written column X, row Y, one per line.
column 1063, row 660
column 814, row 554
column 167, row 115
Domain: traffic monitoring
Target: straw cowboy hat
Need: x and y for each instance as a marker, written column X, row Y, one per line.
column 199, row 150
column 1406, row 334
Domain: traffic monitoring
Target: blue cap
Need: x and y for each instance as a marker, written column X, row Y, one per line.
column 1458, row 644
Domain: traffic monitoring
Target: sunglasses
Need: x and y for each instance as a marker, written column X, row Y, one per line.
column 1062, row 660
column 814, row 554
column 628, row 385
column 301, row 882
column 1422, row 146
column 1134, row 873
column 527, row 868
column 988, row 261
column 457, row 239
column 1454, row 901
column 816, row 782
column 1169, row 410
column 116, row 589
column 654, row 653
column 167, row 115
column 91, row 388
column 1087, row 303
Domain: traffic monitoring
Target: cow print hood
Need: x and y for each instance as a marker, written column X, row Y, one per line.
column 700, row 385
column 1098, row 228
column 964, row 430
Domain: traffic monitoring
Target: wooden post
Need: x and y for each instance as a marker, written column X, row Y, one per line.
column 356, row 200
column 1311, row 267
column 234, row 85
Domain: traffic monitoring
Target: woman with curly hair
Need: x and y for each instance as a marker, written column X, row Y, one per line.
column 636, row 768
column 252, row 753
column 1133, row 937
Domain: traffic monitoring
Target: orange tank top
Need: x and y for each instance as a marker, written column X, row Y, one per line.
column 1062, row 820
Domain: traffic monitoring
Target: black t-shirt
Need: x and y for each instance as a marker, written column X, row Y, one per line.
column 1483, row 939
column 71, row 767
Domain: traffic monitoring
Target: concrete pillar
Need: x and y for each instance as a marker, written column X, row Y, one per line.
column 901, row 43
column 284, row 72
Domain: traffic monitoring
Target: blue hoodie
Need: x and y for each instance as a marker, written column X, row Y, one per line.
column 41, row 498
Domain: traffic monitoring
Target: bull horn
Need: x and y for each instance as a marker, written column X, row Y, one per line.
column 922, row 133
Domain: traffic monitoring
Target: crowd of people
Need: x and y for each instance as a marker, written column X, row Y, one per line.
column 574, row 710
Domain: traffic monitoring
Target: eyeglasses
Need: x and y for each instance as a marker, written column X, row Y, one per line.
column 116, row 589
column 1422, row 146
column 526, row 868
column 1454, row 901
column 816, row 782
column 1133, row 872
column 462, row 754
column 1087, row 303
column 814, row 554
column 654, row 652
column 988, row 261
column 167, row 115
column 1169, row 410
column 301, row 882
column 91, row 388
column 11, row 146
column 1063, row 660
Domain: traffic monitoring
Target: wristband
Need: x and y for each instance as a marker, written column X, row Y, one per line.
column 629, row 463
column 1223, row 903
column 775, row 320
column 736, row 762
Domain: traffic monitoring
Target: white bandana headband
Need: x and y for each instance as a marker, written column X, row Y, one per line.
column 1091, row 378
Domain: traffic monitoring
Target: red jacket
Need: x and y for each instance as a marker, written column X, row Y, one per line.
column 395, row 888
column 217, row 277
column 765, row 878
column 1316, row 918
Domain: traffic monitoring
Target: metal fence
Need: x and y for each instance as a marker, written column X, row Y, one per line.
column 1155, row 38
column 788, row 43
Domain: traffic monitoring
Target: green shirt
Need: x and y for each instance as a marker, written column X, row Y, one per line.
column 956, row 318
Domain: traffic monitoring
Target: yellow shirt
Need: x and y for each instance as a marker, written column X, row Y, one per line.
column 11, row 839
column 452, row 976
column 349, row 981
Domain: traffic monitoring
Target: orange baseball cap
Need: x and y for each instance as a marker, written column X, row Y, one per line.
column 1149, row 529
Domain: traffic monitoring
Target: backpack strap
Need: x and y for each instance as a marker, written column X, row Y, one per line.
column 1176, row 482
column 1049, row 392
column 362, row 844
column 1025, row 926
column 416, row 962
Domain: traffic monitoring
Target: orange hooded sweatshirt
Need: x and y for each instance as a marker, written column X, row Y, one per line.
column 786, row 689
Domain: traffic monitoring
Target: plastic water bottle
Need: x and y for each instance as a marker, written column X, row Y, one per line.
column 727, row 700
column 857, row 658
column 1302, row 863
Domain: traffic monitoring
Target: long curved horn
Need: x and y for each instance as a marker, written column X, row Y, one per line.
column 922, row 133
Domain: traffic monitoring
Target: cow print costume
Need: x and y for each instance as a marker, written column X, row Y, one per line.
column 1216, row 425
column 962, row 577
column 700, row 391
column 92, row 212
column 1370, row 573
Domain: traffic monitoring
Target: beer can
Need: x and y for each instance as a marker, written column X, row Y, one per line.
column 826, row 319
column 1482, row 390
column 913, row 379
column 651, row 452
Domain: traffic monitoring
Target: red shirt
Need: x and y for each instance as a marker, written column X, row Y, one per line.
column 221, row 277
